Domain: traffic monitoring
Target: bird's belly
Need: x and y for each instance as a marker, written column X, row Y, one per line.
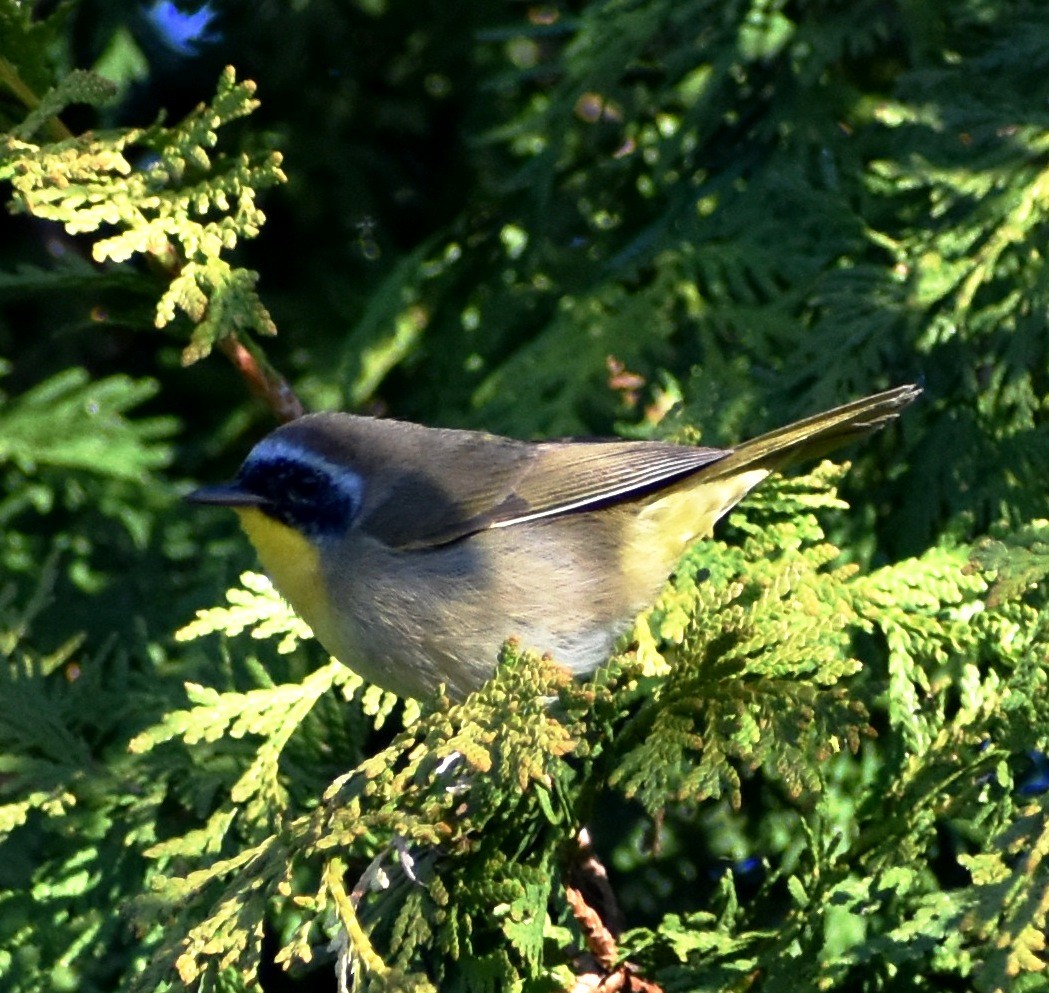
column 412, row 620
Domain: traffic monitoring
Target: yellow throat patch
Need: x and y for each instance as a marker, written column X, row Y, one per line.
column 292, row 561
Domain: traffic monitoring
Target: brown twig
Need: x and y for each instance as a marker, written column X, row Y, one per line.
column 262, row 379
column 611, row 978
column 600, row 929
column 588, row 875
column 599, row 940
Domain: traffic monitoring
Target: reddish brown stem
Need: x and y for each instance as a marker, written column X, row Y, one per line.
column 263, row 380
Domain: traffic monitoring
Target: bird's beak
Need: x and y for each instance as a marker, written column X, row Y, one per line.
column 226, row 495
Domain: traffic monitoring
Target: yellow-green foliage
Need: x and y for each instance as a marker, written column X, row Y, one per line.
column 186, row 207
column 818, row 763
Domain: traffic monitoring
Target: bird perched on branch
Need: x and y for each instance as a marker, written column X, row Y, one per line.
column 415, row 552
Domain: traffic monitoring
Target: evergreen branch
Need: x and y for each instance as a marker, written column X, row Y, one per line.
column 1011, row 884
column 703, row 207
column 10, row 78
column 357, row 945
column 262, row 378
column 255, row 605
column 163, row 211
column 74, row 423
column 1020, row 562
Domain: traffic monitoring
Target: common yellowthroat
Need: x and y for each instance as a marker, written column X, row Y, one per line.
column 415, row 552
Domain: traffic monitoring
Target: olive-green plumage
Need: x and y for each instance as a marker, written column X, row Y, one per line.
column 415, row 552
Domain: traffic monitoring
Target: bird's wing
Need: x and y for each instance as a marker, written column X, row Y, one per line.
column 434, row 486
column 580, row 475
column 492, row 483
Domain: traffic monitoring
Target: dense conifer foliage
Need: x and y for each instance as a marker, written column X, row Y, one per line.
column 817, row 763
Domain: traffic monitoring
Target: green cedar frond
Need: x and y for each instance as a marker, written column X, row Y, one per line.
column 40, row 756
column 1011, row 887
column 1020, row 562
column 272, row 714
column 760, row 638
column 254, row 605
column 461, row 814
column 77, row 86
column 442, row 782
column 28, row 44
column 765, row 203
column 73, row 422
column 186, row 207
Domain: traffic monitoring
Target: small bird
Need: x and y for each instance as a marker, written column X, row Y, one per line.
column 415, row 552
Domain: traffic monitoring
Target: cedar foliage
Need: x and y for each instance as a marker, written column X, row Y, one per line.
column 819, row 760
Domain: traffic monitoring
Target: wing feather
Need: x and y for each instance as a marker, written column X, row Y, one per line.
column 576, row 475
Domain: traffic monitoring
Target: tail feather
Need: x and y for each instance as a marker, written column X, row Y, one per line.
column 815, row 436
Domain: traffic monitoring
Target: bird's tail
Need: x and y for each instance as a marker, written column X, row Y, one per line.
column 815, row 436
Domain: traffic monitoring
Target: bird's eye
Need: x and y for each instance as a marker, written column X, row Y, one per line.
column 307, row 487
column 302, row 489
